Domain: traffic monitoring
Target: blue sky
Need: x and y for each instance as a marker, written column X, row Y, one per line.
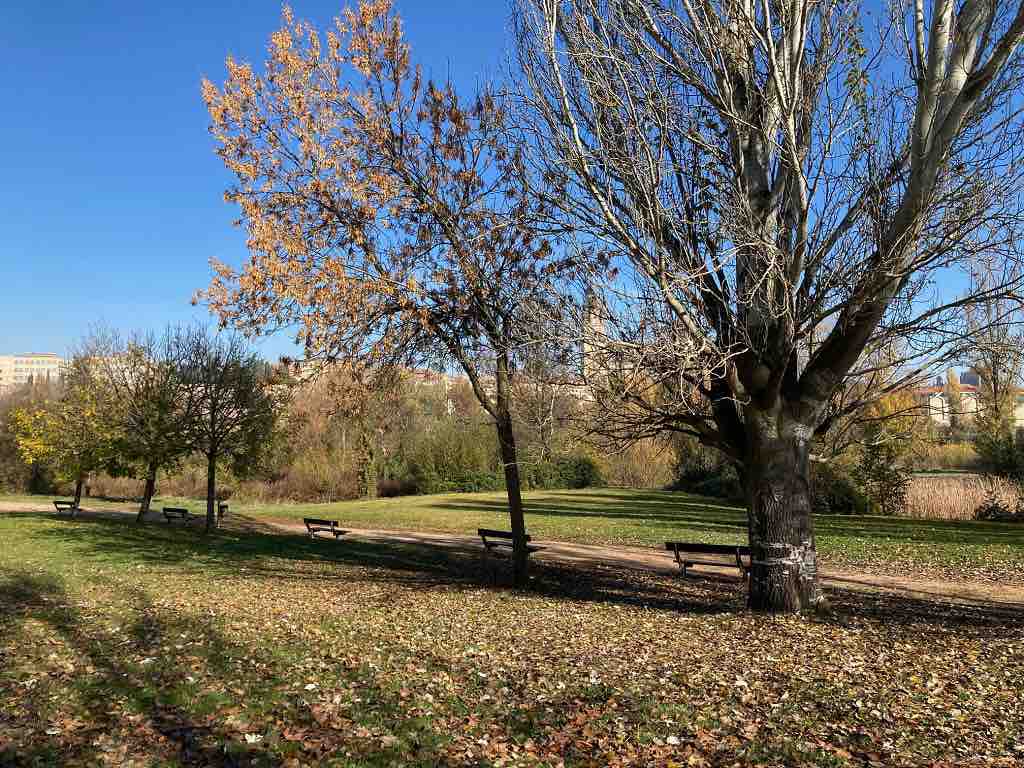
column 112, row 197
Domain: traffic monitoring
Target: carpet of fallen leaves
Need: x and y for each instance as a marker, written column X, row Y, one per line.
column 124, row 645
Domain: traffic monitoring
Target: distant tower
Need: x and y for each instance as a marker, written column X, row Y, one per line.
column 593, row 334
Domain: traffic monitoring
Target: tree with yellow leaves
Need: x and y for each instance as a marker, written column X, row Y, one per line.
column 385, row 216
column 74, row 434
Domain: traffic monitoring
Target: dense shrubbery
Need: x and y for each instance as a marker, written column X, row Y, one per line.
column 834, row 493
column 1000, row 452
column 703, row 471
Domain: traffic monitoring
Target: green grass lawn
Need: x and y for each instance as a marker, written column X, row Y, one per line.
column 953, row 549
column 158, row 646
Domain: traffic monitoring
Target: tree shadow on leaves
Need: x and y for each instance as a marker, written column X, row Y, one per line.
column 170, row 705
column 671, row 511
column 412, row 565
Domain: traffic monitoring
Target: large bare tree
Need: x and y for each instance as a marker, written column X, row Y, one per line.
column 769, row 191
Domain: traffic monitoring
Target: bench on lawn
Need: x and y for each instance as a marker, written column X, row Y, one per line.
column 65, row 506
column 327, row 526
column 177, row 513
column 678, row 548
column 501, row 539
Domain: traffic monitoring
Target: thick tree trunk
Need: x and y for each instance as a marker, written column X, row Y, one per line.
column 784, row 560
column 147, row 493
column 211, row 493
column 79, row 482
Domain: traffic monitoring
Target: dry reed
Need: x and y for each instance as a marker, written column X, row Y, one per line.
column 955, row 497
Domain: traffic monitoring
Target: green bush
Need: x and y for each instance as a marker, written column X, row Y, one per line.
column 573, row 471
column 718, row 481
column 578, row 472
column 878, row 474
column 1000, row 453
column 834, row 493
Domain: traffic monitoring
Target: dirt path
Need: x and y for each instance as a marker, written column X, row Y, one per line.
column 649, row 559
column 643, row 558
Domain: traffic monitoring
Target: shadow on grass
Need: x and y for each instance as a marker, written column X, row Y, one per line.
column 671, row 511
column 170, row 705
column 323, row 561
column 421, row 566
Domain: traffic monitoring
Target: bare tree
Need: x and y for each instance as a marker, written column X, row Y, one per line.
column 769, row 190
column 996, row 353
column 235, row 410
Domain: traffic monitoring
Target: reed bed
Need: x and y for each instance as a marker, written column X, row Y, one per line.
column 955, row 497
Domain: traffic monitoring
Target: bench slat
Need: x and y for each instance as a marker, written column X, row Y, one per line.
column 491, row 534
column 706, row 549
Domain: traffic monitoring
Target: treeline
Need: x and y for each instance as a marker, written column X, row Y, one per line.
column 189, row 413
column 140, row 406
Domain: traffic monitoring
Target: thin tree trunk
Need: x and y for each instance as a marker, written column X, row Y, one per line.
column 367, row 461
column 211, row 493
column 784, row 559
column 513, row 487
column 147, row 494
column 79, row 482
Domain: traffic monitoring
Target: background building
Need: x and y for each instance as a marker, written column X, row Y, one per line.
column 16, row 370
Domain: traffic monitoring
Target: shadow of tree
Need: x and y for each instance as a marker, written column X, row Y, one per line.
column 169, row 722
column 668, row 511
column 295, row 558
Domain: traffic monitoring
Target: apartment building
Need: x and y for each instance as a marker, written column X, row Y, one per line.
column 16, row 370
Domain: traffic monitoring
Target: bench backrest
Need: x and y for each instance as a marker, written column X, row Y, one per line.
column 316, row 521
column 706, row 549
column 487, row 533
column 175, row 510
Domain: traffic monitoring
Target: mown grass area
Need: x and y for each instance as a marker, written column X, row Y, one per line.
column 958, row 549
column 159, row 646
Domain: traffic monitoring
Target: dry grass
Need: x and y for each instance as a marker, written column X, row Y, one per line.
column 955, row 497
column 940, row 456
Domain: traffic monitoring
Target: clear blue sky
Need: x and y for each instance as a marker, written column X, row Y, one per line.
column 111, row 202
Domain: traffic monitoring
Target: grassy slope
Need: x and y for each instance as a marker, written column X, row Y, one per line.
column 161, row 646
column 958, row 549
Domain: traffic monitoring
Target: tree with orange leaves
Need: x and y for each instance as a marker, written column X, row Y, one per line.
column 385, row 216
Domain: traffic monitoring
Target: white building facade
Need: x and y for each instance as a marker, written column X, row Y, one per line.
column 16, row 370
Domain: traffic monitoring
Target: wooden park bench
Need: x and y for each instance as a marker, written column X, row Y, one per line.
column 65, row 506
column 501, row 540
column 679, row 548
column 177, row 513
column 313, row 525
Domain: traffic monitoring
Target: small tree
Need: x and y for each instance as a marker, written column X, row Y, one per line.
column 997, row 356
column 366, row 397
column 235, row 410
column 955, row 402
column 72, row 434
column 149, row 397
column 386, row 216
column 878, row 473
